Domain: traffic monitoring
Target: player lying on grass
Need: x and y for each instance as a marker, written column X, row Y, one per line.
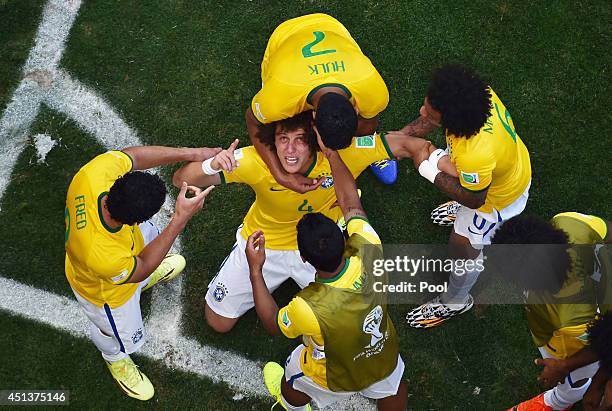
column 489, row 175
column 561, row 293
column 113, row 252
column 276, row 209
column 313, row 63
column 350, row 344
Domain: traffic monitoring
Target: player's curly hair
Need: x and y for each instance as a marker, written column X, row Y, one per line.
column 336, row 120
column 461, row 97
column 135, row 197
column 320, row 241
column 600, row 337
column 267, row 132
column 532, row 268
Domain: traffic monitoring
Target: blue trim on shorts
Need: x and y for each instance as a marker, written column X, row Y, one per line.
column 223, row 262
column 295, row 377
column 114, row 327
column 569, row 379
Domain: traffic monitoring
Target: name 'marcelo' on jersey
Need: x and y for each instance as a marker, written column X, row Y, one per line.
column 494, row 158
column 307, row 53
column 277, row 210
column 99, row 259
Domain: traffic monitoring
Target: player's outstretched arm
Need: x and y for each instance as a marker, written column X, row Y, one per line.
column 434, row 164
column 295, row 182
column 145, row 157
column 265, row 306
column 206, row 173
column 419, row 127
column 344, row 183
column 152, row 255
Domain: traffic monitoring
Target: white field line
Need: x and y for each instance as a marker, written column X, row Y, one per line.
column 44, row 82
column 64, row 313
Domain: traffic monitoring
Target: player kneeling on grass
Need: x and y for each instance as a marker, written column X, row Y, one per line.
column 562, row 294
column 488, row 178
column 350, row 344
column 276, row 209
column 113, row 252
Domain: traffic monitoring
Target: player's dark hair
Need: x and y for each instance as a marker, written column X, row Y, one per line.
column 600, row 337
column 267, row 132
column 320, row 242
column 135, row 197
column 461, row 97
column 538, row 268
column 336, row 120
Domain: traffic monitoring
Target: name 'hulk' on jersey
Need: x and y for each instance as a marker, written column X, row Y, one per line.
column 277, row 210
column 495, row 158
column 310, row 52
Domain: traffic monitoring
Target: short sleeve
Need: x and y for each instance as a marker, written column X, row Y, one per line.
column 597, row 226
column 475, row 171
column 297, row 318
column 371, row 96
column 365, row 150
column 251, row 169
column 361, row 227
column 112, row 163
column 274, row 102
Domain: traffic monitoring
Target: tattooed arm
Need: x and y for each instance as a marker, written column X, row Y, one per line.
column 451, row 186
column 419, row 127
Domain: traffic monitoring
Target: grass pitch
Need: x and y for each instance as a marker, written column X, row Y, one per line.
column 182, row 73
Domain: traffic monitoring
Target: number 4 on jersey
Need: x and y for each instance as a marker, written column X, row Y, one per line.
column 305, row 207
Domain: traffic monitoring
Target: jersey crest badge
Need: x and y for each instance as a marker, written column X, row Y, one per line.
column 329, row 182
column 220, row 292
column 470, row 178
column 137, row 336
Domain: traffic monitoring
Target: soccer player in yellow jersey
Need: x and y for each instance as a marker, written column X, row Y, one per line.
column 276, row 209
column 349, row 342
column 561, row 301
column 485, row 169
column 113, row 252
column 313, row 63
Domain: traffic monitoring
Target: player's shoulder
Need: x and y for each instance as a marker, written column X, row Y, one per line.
column 576, row 224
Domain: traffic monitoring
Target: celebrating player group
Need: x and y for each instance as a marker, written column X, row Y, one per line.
column 313, row 128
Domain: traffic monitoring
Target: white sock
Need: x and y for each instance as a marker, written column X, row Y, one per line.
column 459, row 286
column 564, row 395
column 292, row 407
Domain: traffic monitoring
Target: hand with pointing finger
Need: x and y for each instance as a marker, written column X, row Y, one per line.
column 225, row 160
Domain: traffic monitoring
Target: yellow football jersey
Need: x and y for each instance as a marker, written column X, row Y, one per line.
column 99, row 259
column 495, row 158
column 559, row 321
column 277, row 210
column 297, row 318
column 310, row 52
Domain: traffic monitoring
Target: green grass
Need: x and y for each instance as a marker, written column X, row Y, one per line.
column 183, row 74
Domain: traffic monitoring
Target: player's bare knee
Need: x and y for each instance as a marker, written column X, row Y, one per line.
column 217, row 322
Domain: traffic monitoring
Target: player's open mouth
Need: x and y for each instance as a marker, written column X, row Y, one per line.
column 291, row 160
